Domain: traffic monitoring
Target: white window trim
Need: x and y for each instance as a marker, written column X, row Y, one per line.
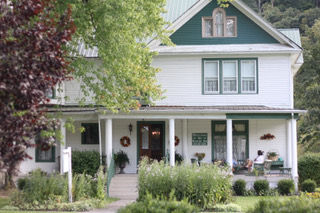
column 225, row 17
column 237, row 77
column 255, row 78
column 204, row 78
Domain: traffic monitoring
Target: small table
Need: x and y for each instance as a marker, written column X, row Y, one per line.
column 284, row 170
column 277, row 164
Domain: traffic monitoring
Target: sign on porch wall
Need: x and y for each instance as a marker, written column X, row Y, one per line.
column 199, row 139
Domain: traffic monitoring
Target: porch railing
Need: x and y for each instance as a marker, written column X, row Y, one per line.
column 110, row 173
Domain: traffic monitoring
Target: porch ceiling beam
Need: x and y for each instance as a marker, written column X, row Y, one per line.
column 260, row 116
column 143, row 116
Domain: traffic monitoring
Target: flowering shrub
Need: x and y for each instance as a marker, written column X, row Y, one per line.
column 203, row 186
column 313, row 195
column 42, row 192
column 150, row 204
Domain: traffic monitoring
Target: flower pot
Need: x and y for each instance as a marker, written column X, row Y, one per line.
column 121, row 167
column 273, row 158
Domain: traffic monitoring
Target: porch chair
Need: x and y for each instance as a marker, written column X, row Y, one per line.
column 267, row 166
column 263, row 168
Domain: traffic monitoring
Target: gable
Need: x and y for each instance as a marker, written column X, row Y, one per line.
column 248, row 32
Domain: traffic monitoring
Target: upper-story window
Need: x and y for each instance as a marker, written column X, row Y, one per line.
column 219, row 25
column 51, row 93
column 229, row 76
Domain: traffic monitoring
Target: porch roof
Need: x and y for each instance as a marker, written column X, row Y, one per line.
column 227, row 109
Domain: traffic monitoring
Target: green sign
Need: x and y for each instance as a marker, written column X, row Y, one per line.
column 199, row 139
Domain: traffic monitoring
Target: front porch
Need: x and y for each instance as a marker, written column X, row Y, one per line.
column 225, row 133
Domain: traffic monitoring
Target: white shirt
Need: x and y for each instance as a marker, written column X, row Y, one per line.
column 259, row 159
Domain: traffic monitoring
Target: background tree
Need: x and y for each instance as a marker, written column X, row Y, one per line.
column 32, row 62
column 307, row 90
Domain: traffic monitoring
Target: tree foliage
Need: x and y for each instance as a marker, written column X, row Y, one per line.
column 32, row 61
column 307, row 90
column 120, row 30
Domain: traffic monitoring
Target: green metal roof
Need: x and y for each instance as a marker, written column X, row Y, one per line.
column 293, row 34
column 176, row 8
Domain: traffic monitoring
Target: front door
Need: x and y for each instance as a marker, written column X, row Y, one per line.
column 151, row 136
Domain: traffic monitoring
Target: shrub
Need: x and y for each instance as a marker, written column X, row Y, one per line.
column 261, row 187
column 309, row 166
column 87, row 162
column 294, row 204
column 21, row 183
column 150, row 204
column 240, row 187
column 286, row 187
column 308, row 186
column 231, row 207
column 202, row 186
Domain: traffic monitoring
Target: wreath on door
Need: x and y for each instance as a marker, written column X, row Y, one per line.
column 125, row 141
column 45, row 147
column 176, row 141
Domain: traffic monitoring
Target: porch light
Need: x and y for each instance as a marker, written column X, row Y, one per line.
column 130, row 128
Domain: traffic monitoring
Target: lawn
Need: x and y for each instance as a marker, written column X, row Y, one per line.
column 4, row 202
column 250, row 201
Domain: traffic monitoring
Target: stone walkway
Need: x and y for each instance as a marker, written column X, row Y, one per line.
column 124, row 187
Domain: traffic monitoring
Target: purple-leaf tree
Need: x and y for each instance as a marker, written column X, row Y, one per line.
column 33, row 37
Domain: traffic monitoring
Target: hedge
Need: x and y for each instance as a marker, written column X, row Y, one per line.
column 309, row 167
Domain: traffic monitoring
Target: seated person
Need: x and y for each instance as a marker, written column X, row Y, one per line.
column 248, row 165
column 234, row 165
column 234, row 162
column 259, row 158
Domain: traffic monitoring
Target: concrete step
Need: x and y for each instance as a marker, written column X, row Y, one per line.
column 124, row 187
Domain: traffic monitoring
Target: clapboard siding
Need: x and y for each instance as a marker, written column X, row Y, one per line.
column 278, row 128
column 248, row 32
column 181, row 76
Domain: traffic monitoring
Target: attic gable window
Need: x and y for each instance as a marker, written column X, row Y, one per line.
column 219, row 25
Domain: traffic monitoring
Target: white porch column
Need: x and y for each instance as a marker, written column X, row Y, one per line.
column 294, row 148
column 185, row 140
column 62, row 142
column 100, row 145
column 171, row 139
column 289, row 145
column 108, row 140
column 229, row 142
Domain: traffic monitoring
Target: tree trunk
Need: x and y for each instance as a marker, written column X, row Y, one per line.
column 8, row 181
column 259, row 6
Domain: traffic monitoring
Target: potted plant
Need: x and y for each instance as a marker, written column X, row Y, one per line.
column 272, row 155
column 121, row 159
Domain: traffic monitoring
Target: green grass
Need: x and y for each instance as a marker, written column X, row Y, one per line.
column 29, row 212
column 4, row 202
column 250, row 201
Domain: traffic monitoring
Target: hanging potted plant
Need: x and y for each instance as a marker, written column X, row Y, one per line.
column 121, row 159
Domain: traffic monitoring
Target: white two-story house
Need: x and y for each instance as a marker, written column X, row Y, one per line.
column 228, row 82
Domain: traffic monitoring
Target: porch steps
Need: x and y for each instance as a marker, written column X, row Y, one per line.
column 124, row 186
